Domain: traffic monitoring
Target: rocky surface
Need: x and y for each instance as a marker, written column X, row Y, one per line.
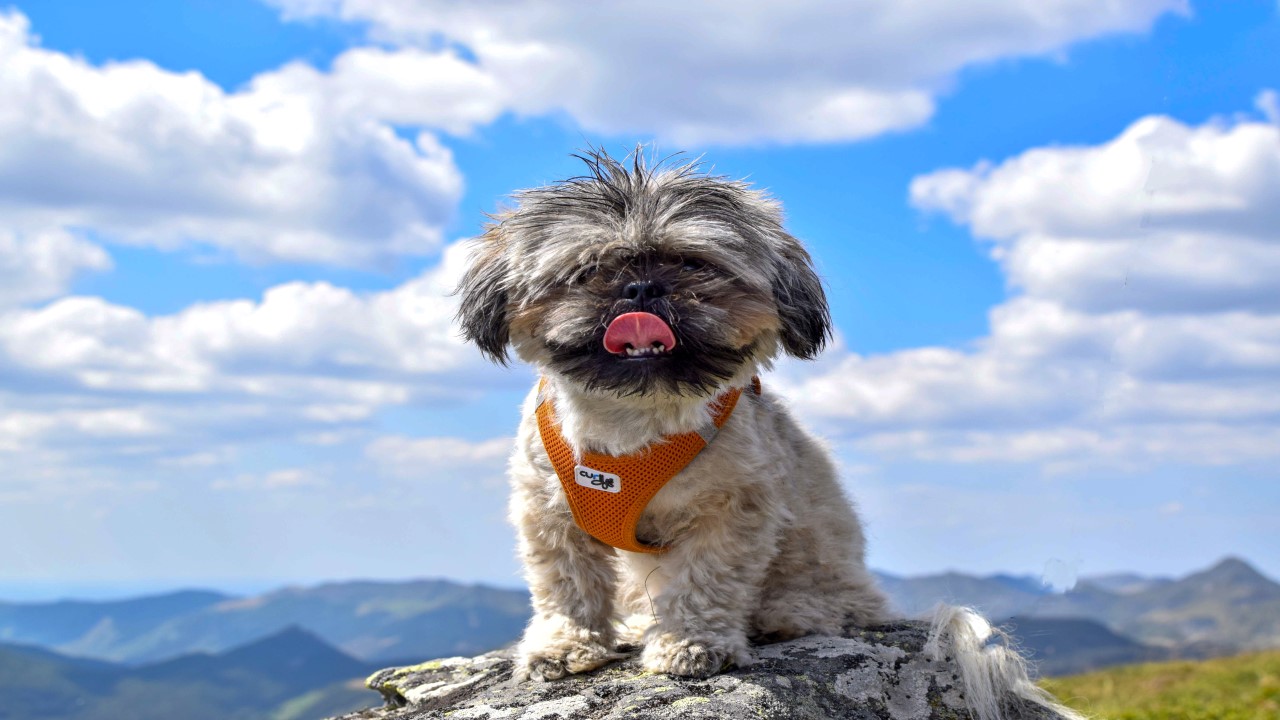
column 879, row 673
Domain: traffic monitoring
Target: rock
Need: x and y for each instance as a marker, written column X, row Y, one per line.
column 878, row 673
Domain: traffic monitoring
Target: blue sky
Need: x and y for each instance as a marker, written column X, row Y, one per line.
column 229, row 229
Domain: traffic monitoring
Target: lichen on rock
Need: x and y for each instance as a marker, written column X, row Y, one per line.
column 881, row 673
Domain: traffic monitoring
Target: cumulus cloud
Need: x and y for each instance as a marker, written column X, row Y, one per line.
column 40, row 265
column 88, row 384
column 431, row 457
column 1268, row 103
column 1145, row 317
column 1164, row 218
column 757, row 72
column 335, row 352
column 281, row 170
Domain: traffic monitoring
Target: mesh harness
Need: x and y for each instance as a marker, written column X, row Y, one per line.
column 607, row 493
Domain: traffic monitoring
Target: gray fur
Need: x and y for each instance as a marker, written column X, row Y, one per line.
column 557, row 260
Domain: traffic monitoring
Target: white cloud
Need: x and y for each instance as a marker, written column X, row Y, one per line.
column 1268, row 103
column 407, row 86
column 40, row 265
column 732, row 72
column 331, row 350
column 1069, row 448
column 285, row 169
column 1145, row 324
column 1164, row 218
column 87, row 384
column 429, row 458
column 286, row 479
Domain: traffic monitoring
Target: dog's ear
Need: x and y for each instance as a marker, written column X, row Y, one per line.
column 802, row 304
column 482, row 312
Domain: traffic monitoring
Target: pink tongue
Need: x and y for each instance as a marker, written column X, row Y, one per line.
column 639, row 330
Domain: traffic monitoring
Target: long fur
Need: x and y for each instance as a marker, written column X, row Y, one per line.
column 994, row 675
column 762, row 542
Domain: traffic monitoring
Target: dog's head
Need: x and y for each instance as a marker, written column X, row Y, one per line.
column 642, row 279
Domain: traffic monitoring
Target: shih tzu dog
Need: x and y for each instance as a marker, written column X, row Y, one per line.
column 662, row 496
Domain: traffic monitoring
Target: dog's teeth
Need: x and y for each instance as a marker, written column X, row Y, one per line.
column 656, row 349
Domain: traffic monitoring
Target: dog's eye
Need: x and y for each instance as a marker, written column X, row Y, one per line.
column 692, row 264
column 585, row 274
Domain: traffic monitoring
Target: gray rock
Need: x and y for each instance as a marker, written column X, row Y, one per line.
column 880, row 673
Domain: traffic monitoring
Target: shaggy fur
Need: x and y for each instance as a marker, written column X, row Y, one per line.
column 763, row 544
column 992, row 672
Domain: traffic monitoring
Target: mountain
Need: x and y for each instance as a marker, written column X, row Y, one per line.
column 1126, row 583
column 1230, row 606
column 1063, row 646
column 369, row 620
column 271, row 678
column 999, row 596
column 293, row 658
column 92, row 628
column 1226, row 608
column 379, row 621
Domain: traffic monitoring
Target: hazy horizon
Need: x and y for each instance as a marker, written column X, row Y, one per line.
column 39, row 592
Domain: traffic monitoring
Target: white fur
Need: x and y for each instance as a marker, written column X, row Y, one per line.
column 992, row 672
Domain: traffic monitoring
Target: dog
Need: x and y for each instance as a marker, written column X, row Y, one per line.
column 643, row 294
column 662, row 495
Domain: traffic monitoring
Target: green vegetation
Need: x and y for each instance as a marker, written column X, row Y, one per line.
column 1245, row 687
column 337, row 699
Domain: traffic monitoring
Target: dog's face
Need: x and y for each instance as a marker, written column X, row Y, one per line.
column 642, row 280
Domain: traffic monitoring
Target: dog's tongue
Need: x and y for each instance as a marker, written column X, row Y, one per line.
column 639, row 330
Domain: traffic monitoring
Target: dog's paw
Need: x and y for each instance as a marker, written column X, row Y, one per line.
column 553, row 663
column 691, row 658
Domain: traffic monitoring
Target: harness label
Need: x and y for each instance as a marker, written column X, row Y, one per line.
column 597, row 479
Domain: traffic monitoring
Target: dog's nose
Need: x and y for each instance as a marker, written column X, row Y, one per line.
column 643, row 290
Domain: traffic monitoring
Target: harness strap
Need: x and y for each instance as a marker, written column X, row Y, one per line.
column 607, row 494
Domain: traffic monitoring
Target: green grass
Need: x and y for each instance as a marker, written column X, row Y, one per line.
column 1245, row 687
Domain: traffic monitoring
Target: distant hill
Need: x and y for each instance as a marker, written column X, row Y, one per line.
column 1228, row 607
column 1126, row 583
column 1063, row 646
column 92, row 628
column 377, row 621
column 1118, row 618
column 999, row 596
column 269, row 679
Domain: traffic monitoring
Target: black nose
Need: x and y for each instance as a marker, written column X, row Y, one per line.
column 643, row 290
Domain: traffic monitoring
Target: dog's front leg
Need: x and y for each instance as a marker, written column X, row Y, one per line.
column 571, row 578
column 711, row 583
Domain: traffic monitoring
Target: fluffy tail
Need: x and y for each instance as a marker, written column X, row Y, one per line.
column 994, row 674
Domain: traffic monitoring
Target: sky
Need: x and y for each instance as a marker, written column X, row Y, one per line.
column 230, row 229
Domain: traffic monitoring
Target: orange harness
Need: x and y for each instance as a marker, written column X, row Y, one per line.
column 607, row 494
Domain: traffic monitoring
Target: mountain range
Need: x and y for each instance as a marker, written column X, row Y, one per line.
column 290, row 675
column 298, row 652
column 1226, row 608
column 374, row 621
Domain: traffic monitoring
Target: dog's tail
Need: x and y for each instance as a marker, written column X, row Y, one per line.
column 994, row 675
